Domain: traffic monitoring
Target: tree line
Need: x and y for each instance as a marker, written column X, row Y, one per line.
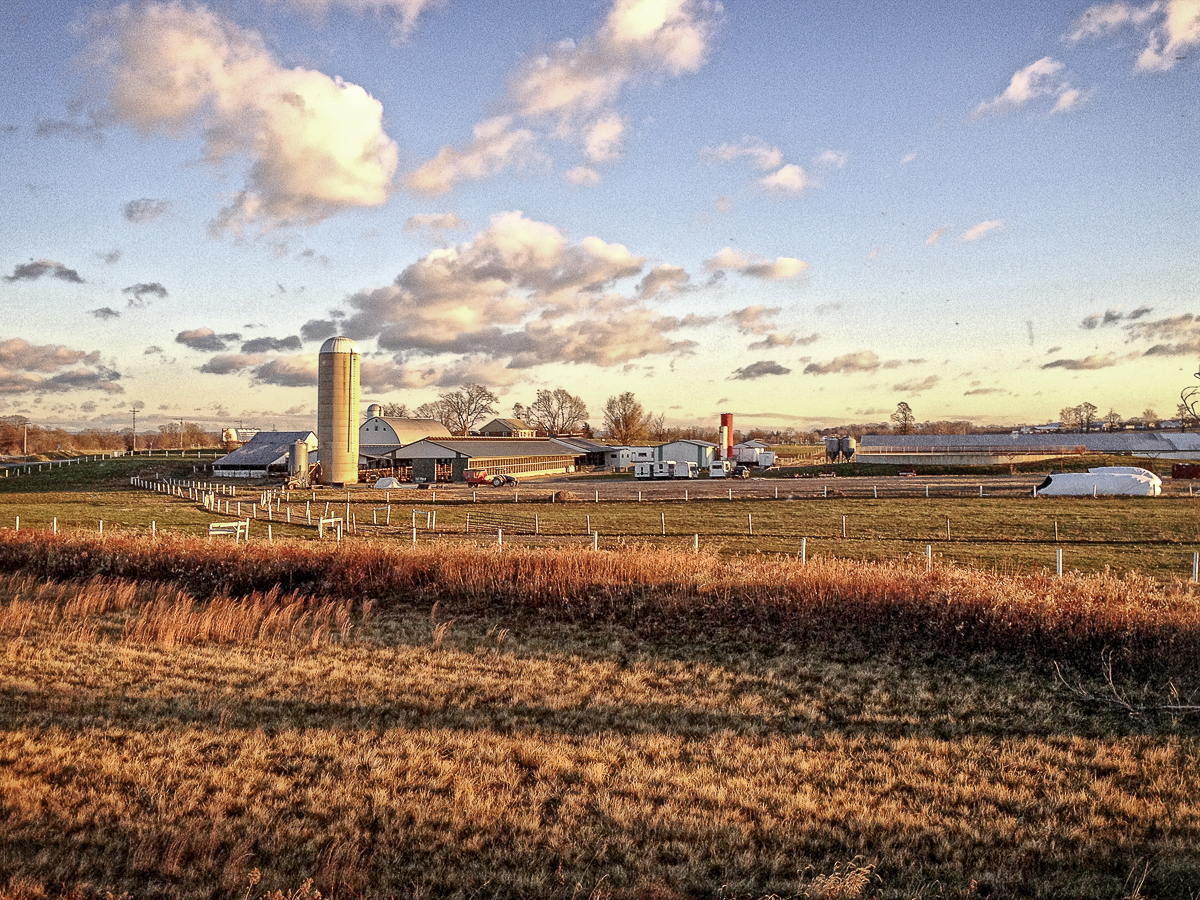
column 19, row 437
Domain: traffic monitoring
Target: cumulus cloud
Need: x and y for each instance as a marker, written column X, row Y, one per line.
column 228, row 363
column 584, row 176
column 205, row 340
column 497, row 145
column 789, row 179
column 831, row 159
column 762, row 155
column 400, row 14
column 1170, row 28
column 935, row 236
column 1114, row 316
column 975, row 232
column 664, row 279
column 52, row 368
column 272, row 345
column 139, row 292
column 782, row 268
column 448, row 221
column 1095, row 361
column 144, row 210
column 318, row 329
column 519, row 291
column 759, row 370
column 570, row 91
column 287, row 371
column 104, row 313
column 1038, row 79
column 854, row 363
column 1174, row 336
column 32, row 271
column 315, row 144
column 917, row 386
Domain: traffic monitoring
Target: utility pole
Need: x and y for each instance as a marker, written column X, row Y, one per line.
column 135, row 429
column 25, row 439
column 181, row 432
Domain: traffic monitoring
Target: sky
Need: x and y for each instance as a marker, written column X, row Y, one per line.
column 799, row 212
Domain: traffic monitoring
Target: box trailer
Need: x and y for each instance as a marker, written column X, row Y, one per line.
column 720, row 468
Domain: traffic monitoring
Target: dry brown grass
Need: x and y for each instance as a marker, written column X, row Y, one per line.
column 1145, row 626
column 556, row 725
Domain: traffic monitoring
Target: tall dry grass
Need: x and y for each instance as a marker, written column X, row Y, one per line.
column 167, row 616
column 1144, row 626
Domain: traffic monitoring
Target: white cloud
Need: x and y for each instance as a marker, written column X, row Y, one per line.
column 52, row 368
column 520, row 292
column 448, row 221
column 570, row 91
column 831, row 159
column 403, row 12
column 975, row 232
column 789, row 179
column 1038, row 79
column 782, row 268
column 496, row 146
column 936, row 235
column 315, row 144
column 603, row 141
column 584, row 176
column 762, row 155
column 1171, row 28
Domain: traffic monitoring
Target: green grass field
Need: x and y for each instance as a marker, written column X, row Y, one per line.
column 1005, row 534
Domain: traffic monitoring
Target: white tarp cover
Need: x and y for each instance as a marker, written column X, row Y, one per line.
column 1106, row 481
column 388, row 482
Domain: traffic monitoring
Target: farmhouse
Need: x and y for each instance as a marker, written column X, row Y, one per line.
column 509, row 428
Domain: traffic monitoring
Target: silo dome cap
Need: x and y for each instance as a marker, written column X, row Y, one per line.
column 339, row 345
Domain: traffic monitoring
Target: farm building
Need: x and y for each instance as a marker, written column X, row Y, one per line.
column 380, row 435
column 1006, row 449
column 266, row 453
column 445, row 459
column 686, row 450
column 508, row 428
column 626, row 456
column 593, row 454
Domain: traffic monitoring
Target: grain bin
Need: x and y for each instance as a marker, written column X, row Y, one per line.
column 337, row 411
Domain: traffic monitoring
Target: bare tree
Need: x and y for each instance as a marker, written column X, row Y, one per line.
column 1150, row 417
column 394, row 410
column 1112, row 421
column 903, row 418
column 658, row 427
column 1187, row 417
column 1068, row 417
column 460, row 411
column 1087, row 415
column 553, row 412
column 438, row 411
column 624, row 419
column 1189, row 405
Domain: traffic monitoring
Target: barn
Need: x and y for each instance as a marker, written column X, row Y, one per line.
column 445, row 459
column 266, row 453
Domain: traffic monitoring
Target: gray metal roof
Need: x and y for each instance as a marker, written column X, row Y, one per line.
column 1096, row 442
column 265, row 449
column 485, row 448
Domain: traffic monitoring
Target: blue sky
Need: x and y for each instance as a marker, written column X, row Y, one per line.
column 799, row 212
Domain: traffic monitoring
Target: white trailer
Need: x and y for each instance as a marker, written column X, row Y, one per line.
column 684, row 470
column 664, row 468
column 720, row 468
column 643, row 470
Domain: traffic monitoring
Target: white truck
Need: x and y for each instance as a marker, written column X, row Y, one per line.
column 684, row 470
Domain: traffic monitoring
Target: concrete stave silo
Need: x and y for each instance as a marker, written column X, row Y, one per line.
column 337, row 411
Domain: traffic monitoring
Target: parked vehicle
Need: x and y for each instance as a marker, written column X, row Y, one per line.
column 740, row 472
column 720, row 468
column 482, row 476
column 684, row 470
column 643, row 470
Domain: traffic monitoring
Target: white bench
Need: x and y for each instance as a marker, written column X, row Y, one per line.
column 239, row 530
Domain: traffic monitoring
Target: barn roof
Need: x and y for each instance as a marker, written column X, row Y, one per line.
column 265, row 449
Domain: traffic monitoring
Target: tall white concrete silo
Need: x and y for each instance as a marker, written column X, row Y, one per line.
column 337, row 411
